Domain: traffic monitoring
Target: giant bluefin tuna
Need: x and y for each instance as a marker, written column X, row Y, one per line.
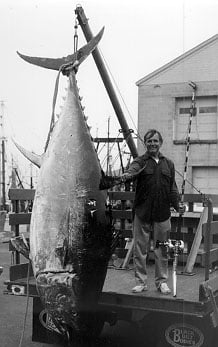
column 70, row 230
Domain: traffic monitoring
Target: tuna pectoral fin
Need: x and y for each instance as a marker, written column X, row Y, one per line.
column 107, row 182
column 56, row 63
column 21, row 245
column 34, row 158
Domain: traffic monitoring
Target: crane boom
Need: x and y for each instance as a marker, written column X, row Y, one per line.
column 83, row 21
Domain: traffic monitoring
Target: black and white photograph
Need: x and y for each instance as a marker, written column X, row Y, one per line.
column 109, row 173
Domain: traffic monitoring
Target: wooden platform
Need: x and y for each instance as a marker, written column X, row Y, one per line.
column 193, row 310
column 122, row 281
column 118, row 285
column 117, row 292
column 192, row 295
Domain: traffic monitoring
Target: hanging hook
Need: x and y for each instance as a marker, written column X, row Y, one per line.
column 75, row 36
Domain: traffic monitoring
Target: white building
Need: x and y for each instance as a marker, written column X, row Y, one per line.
column 164, row 101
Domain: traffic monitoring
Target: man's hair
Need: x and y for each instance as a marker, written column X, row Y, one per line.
column 150, row 133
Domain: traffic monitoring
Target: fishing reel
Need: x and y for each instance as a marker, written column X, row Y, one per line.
column 174, row 247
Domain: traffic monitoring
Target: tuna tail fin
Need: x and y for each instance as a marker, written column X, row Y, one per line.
column 34, row 158
column 76, row 58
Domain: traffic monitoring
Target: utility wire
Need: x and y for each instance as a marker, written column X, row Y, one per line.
column 114, row 81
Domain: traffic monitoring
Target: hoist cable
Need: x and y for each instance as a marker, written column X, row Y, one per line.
column 113, row 79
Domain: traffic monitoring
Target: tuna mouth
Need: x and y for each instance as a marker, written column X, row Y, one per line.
column 72, row 313
column 59, row 293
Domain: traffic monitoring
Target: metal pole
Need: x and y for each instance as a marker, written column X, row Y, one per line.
column 207, row 239
column 121, row 159
column 3, row 176
column 83, row 21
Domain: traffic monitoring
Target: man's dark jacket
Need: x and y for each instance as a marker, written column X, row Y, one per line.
column 156, row 189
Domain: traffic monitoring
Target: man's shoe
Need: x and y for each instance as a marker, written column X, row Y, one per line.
column 164, row 289
column 140, row 288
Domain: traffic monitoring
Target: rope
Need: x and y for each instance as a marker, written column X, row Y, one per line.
column 27, row 305
column 52, row 122
column 62, row 67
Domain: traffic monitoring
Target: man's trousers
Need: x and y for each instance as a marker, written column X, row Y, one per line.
column 142, row 236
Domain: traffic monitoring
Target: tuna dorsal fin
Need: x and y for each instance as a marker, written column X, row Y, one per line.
column 34, row 158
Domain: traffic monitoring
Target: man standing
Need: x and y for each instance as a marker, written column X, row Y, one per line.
column 156, row 192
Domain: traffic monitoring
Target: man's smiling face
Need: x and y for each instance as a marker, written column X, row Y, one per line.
column 153, row 145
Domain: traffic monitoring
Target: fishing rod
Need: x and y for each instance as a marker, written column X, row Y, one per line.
column 177, row 246
column 174, row 248
column 192, row 113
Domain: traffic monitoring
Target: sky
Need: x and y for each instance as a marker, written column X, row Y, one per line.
column 140, row 36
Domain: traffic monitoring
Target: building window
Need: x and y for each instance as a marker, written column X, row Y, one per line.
column 184, row 110
column 204, row 121
column 208, row 109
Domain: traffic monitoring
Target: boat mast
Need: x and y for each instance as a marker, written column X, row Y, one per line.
column 3, row 202
column 31, row 176
column 83, row 21
column 108, row 145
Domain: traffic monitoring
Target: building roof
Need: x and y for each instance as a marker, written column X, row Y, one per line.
column 179, row 59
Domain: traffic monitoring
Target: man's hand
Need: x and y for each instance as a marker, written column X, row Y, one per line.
column 125, row 177
column 182, row 208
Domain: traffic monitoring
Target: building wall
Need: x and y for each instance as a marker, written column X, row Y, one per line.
column 157, row 109
column 200, row 65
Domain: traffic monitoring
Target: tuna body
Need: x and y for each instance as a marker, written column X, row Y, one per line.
column 70, row 234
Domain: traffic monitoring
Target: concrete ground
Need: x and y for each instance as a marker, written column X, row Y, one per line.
column 13, row 308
